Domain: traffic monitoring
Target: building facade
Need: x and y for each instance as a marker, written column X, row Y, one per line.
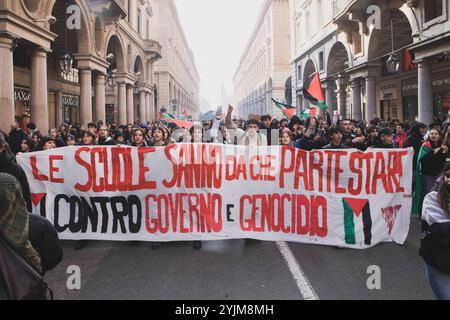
column 264, row 68
column 77, row 61
column 387, row 59
column 176, row 73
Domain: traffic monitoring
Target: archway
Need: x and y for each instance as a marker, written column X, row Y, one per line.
column 380, row 43
column 310, row 69
column 79, row 41
column 338, row 59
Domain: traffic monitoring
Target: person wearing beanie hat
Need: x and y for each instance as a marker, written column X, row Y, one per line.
column 385, row 139
column 46, row 143
column 71, row 140
column 120, row 138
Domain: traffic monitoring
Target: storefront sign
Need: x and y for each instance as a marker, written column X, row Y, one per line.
column 22, row 95
column 70, row 101
column 388, row 92
column 440, row 83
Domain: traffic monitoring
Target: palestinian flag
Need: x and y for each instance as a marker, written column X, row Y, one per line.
column 417, row 203
column 166, row 116
column 313, row 92
column 354, row 208
column 288, row 111
column 308, row 113
column 38, row 202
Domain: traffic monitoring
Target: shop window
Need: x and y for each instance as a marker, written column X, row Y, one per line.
column 70, row 108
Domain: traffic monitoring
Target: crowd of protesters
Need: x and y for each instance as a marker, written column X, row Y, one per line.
column 430, row 143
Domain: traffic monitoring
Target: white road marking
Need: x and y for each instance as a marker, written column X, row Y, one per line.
column 297, row 272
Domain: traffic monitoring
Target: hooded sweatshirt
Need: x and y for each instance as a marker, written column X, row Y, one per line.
column 8, row 165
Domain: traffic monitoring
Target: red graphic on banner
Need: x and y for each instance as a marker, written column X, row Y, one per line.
column 389, row 215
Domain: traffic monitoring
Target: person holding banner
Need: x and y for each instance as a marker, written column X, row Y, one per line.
column 139, row 140
column 27, row 145
column 385, row 139
column 71, row 140
column 287, row 138
column 89, row 139
column 197, row 133
column 104, row 138
column 348, row 138
column 335, row 135
column 160, row 136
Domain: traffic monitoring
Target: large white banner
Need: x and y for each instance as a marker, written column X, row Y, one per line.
column 212, row 192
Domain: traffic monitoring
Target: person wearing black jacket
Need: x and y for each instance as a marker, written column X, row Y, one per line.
column 103, row 137
column 415, row 139
column 266, row 129
column 44, row 239
column 385, row 139
column 335, row 135
column 348, row 138
column 435, row 244
column 16, row 136
column 8, row 165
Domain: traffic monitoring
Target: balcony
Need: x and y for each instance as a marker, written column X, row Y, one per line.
column 113, row 9
column 152, row 47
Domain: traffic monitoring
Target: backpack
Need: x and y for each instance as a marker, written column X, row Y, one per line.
column 19, row 281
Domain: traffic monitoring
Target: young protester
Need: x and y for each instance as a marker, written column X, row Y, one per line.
column 430, row 162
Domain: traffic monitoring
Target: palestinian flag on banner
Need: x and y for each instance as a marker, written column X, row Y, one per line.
column 38, row 202
column 288, row 111
column 353, row 208
column 313, row 92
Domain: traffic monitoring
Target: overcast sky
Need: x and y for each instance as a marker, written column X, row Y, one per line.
column 217, row 32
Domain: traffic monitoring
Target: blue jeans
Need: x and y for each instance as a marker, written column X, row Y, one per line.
column 439, row 282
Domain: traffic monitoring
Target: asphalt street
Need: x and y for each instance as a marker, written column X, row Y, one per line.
column 241, row 270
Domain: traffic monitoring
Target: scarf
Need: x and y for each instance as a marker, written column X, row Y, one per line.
column 14, row 221
column 417, row 201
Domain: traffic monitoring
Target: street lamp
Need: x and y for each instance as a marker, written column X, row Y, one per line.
column 111, row 79
column 174, row 106
column 392, row 63
column 136, row 89
column 66, row 63
column 340, row 81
